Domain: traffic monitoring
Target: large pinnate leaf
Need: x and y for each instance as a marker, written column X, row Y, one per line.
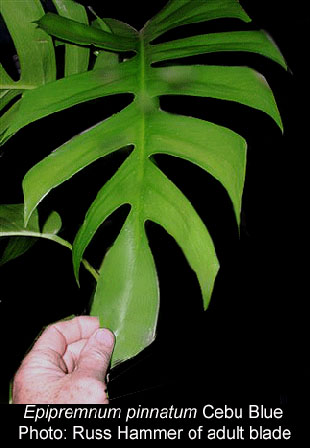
column 127, row 295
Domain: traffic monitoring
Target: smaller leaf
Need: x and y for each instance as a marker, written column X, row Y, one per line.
column 22, row 239
column 82, row 34
column 16, row 247
column 12, row 224
column 53, row 224
column 12, row 221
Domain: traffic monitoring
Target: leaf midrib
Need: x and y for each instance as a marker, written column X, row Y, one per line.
column 140, row 144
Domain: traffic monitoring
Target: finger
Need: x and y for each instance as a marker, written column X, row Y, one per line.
column 58, row 336
column 95, row 357
column 81, row 327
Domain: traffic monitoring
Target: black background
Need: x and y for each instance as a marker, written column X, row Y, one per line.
column 251, row 344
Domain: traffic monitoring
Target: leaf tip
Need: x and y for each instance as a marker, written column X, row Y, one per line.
column 243, row 14
column 279, row 56
column 207, row 291
column 27, row 215
column 76, row 270
column 76, row 260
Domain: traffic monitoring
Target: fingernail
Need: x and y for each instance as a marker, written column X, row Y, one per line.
column 105, row 337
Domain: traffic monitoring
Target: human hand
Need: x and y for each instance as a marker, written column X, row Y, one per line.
column 67, row 364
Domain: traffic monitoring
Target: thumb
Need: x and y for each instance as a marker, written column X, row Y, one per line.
column 95, row 357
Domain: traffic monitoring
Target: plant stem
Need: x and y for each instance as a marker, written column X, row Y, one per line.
column 90, row 269
column 86, row 264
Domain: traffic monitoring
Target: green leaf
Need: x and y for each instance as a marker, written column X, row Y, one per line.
column 127, row 296
column 82, row 34
column 16, row 247
column 12, row 224
column 53, row 224
column 23, row 238
column 12, row 220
